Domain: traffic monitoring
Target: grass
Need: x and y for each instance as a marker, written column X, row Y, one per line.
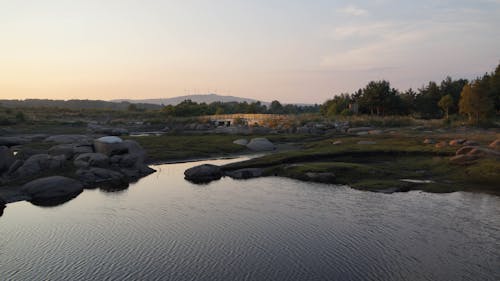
column 382, row 165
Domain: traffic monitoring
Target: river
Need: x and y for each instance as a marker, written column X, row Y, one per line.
column 165, row 228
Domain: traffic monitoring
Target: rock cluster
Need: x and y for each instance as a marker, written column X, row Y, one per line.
column 83, row 161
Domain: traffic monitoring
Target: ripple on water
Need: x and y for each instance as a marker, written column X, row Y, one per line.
column 164, row 228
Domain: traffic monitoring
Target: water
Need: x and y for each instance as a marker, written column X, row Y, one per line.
column 164, row 228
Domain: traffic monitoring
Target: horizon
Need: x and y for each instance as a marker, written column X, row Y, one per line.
column 291, row 51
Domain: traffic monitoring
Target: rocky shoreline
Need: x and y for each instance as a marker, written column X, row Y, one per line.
column 71, row 164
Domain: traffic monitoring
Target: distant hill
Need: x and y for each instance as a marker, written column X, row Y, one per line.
column 74, row 104
column 208, row 98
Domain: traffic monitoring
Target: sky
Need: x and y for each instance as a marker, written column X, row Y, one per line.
column 293, row 51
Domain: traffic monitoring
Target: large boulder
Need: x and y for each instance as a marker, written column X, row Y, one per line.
column 51, row 189
column 86, row 160
column 95, row 176
column 245, row 173
column 203, row 173
column 70, row 149
column 261, row 144
column 37, row 164
column 109, row 146
column 6, row 158
column 69, row 139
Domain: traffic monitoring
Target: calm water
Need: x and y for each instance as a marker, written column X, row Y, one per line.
column 164, row 228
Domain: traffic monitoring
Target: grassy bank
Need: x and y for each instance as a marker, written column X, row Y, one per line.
column 383, row 165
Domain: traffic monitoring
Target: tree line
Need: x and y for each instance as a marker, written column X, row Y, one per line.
column 189, row 108
column 478, row 99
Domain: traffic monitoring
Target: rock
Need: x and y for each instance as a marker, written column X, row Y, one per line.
column 245, row 173
column 441, row 144
column 241, row 141
column 62, row 149
column 463, row 159
column 456, row 142
column 16, row 165
column 464, row 150
column 51, row 189
column 39, row 163
column 94, row 176
column 109, row 146
column 337, row 142
column 495, row 145
column 471, row 143
column 6, row 159
column 359, row 129
column 12, row 141
column 429, row 141
column 367, row 142
column 69, row 139
column 364, row 133
column 325, row 177
column 91, row 160
column 203, row 173
column 261, row 144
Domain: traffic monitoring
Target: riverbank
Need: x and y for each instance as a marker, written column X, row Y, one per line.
column 387, row 161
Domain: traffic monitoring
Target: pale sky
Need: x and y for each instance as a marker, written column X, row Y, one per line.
column 289, row 50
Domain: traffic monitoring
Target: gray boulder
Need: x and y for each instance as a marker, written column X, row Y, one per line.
column 95, row 176
column 261, row 144
column 39, row 163
column 109, row 146
column 86, row 160
column 52, row 188
column 62, row 149
column 245, row 173
column 203, row 173
column 6, row 158
column 241, row 141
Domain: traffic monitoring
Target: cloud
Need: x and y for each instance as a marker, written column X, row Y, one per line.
column 352, row 10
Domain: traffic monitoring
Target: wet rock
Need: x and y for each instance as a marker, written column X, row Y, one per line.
column 95, row 176
column 245, row 173
column 109, row 146
column 203, row 173
column 86, row 160
column 261, row 144
column 52, row 189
